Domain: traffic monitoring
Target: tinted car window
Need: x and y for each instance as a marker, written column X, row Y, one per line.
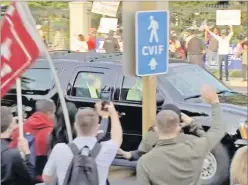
column 132, row 89
column 188, row 80
column 36, row 79
column 87, row 85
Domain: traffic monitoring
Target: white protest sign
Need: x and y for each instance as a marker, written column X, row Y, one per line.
column 107, row 24
column 228, row 17
column 105, row 8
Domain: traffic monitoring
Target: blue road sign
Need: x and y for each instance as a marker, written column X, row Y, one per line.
column 152, row 42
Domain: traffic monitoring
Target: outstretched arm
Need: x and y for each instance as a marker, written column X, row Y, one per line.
column 211, row 33
column 231, row 32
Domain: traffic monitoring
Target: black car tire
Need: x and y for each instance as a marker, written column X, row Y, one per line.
column 221, row 176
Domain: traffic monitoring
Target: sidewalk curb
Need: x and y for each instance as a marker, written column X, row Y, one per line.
column 236, row 83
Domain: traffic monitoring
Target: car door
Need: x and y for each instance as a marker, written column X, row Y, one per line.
column 87, row 83
column 128, row 100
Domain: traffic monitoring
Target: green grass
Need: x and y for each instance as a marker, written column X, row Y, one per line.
column 232, row 73
column 241, row 100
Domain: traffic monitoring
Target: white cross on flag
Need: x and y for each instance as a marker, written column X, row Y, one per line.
column 20, row 44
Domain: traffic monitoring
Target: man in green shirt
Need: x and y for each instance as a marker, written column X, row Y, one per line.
column 179, row 163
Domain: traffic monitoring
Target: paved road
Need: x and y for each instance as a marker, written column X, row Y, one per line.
column 122, row 176
column 125, row 181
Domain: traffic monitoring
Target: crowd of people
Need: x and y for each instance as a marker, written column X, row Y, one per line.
column 214, row 46
column 165, row 156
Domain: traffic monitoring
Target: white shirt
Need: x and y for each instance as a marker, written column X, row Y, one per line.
column 81, row 46
column 61, row 157
column 223, row 43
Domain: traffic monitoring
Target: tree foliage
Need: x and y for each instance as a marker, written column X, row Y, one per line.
column 185, row 13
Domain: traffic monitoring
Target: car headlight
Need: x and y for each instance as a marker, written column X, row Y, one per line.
column 243, row 130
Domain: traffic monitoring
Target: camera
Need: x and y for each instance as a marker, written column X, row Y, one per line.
column 104, row 103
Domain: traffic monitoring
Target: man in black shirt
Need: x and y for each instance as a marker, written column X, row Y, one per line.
column 195, row 49
column 111, row 44
column 13, row 165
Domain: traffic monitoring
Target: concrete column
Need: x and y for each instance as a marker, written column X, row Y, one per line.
column 80, row 19
column 162, row 5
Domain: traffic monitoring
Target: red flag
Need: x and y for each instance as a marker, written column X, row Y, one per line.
column 18, row 47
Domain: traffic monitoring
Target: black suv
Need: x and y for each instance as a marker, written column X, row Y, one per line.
column 86, row 78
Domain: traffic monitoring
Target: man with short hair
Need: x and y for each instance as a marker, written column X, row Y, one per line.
column 172, row 162
column 40, row 125
column 195, row 49
column 223, row 49
column 87, row 128
column 13, row 168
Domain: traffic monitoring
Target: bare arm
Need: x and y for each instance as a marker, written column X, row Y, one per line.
column 231, row 33
column 116, row 129
column 212, row 34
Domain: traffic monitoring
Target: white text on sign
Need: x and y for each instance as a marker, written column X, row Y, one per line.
column 152, row 50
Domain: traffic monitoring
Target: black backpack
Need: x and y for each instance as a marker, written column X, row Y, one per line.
column 83, row 169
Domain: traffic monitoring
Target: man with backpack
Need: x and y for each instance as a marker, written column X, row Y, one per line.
column 85, row 161
column 14, row 169
column 37, row 130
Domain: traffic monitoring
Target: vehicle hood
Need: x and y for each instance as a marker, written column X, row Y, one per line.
column 232, row 114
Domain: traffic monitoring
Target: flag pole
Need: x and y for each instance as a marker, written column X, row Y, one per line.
column 19, row 106
column 44, row 51
column 61, row 96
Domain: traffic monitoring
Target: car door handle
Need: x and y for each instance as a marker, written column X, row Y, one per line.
column 121, row 114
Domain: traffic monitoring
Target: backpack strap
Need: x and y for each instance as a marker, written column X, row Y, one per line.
column 96, row 149
column 74, row 148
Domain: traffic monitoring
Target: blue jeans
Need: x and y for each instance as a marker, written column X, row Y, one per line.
column 225, row 59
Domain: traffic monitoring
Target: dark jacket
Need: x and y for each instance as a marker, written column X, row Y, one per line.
column 151, row 138
column 40, row 126
column 13, row 168
column 173, row 162
column 195, row 46
column 111, row 45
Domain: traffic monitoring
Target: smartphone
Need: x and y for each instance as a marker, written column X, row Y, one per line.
column 105, row 102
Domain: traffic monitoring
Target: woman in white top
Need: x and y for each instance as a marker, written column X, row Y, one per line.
column 81, row 45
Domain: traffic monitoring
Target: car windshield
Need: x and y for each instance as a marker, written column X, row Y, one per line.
column 188, row 80
column 36, row 79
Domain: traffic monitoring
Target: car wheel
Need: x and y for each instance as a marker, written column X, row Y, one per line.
column 216, row 166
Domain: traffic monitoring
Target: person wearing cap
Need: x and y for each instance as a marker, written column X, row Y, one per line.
column 151, row 138
column 175, row 162
column 223, row 49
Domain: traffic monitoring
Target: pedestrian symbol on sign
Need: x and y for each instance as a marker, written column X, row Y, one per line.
column 152, row 38
column 154, row 27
